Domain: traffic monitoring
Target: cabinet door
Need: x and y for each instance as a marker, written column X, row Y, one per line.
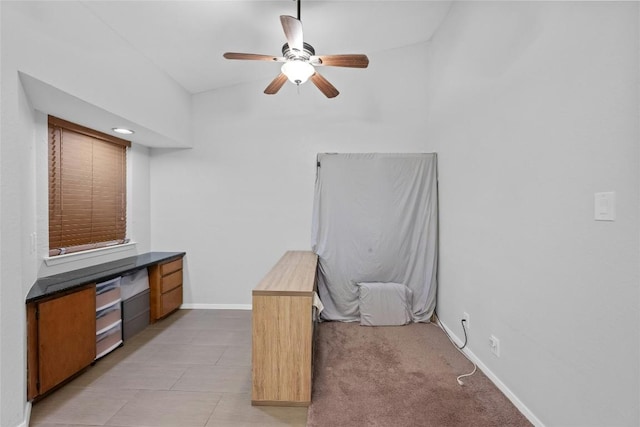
column 66, row 336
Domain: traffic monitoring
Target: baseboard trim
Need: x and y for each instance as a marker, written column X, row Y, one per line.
column 27, row 415
column 216, row 306
column 494, row 379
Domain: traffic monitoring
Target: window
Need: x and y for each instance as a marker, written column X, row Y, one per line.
column 87, row 188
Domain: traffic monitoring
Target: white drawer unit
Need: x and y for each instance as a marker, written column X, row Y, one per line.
column 108, row 317
column 108, row 340
column 107, row 293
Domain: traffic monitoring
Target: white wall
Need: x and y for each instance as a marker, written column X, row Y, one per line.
column 243, row 195
column 535, row 108
column 138, row 197
column 532, row 109
column 38, row 38
column 17, row 264
column 64, row 45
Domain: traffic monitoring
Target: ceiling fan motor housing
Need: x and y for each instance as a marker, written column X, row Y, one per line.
column 293, row 54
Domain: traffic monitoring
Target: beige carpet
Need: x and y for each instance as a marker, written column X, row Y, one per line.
column 399, row 376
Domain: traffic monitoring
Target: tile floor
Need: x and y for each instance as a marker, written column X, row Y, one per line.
column 191, row 369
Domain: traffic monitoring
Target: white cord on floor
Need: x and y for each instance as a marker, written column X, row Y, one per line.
column 475, row 367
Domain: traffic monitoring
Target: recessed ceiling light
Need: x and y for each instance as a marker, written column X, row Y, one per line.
column 123, row 131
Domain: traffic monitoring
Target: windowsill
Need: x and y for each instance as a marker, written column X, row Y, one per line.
column 91, row 253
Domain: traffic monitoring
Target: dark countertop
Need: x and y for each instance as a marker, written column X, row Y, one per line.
column 51, row 285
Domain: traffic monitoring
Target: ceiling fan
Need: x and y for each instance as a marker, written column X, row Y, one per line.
column 300, row 59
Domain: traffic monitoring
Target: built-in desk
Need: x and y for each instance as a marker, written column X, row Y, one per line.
column 61, row 314
column 49, row 286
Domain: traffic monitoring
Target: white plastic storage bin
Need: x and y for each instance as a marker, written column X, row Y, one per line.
column 108, row 317
column 107, row 293
column 134, row 283
column 109, row 340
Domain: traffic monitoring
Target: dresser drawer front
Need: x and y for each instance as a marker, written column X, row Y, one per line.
column 170, row 267
column 172, row 300
column 171, row 281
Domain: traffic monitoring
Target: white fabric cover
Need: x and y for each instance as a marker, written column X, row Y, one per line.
column 384, row 304
column 375, row 219
column 134, row 283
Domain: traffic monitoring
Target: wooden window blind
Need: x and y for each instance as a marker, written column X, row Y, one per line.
column 87, row 188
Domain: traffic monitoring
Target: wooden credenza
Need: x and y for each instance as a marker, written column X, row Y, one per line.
column 282, row 332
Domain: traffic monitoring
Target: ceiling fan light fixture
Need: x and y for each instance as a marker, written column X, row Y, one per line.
column 297, row 72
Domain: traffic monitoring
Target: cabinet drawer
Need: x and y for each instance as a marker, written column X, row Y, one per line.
column 133, row 325
column 107, row 298
column 171, row 300
column 108, row 317
column 171, row 267
column 109, row 340
column 171, row 281
column 107, row 285
column 135, row 305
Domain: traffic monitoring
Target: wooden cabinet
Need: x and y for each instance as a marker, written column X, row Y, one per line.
column 61, row 338
column 69, row 320
column 165, row 287
column 282, row 332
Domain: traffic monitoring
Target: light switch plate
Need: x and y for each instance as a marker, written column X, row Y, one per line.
column 605, row 206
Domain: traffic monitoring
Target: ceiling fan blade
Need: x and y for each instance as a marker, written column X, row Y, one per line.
column 293, row 31
column 323, row 84
column 349, row 60
column 276, row 84
column 253, row 57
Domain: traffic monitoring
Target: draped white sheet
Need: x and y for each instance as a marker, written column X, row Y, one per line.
column 375, row 220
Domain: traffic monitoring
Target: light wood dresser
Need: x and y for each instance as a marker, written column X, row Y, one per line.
column 282, row 322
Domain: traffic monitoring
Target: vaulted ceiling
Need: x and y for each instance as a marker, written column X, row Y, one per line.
column 186, row 39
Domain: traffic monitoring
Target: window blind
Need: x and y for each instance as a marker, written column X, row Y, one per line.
column 87, row 188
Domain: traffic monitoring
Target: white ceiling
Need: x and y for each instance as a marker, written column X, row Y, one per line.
column 186, row 39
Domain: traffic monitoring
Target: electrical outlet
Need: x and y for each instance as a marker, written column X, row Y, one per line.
column 494, row 344
column 465, row 317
